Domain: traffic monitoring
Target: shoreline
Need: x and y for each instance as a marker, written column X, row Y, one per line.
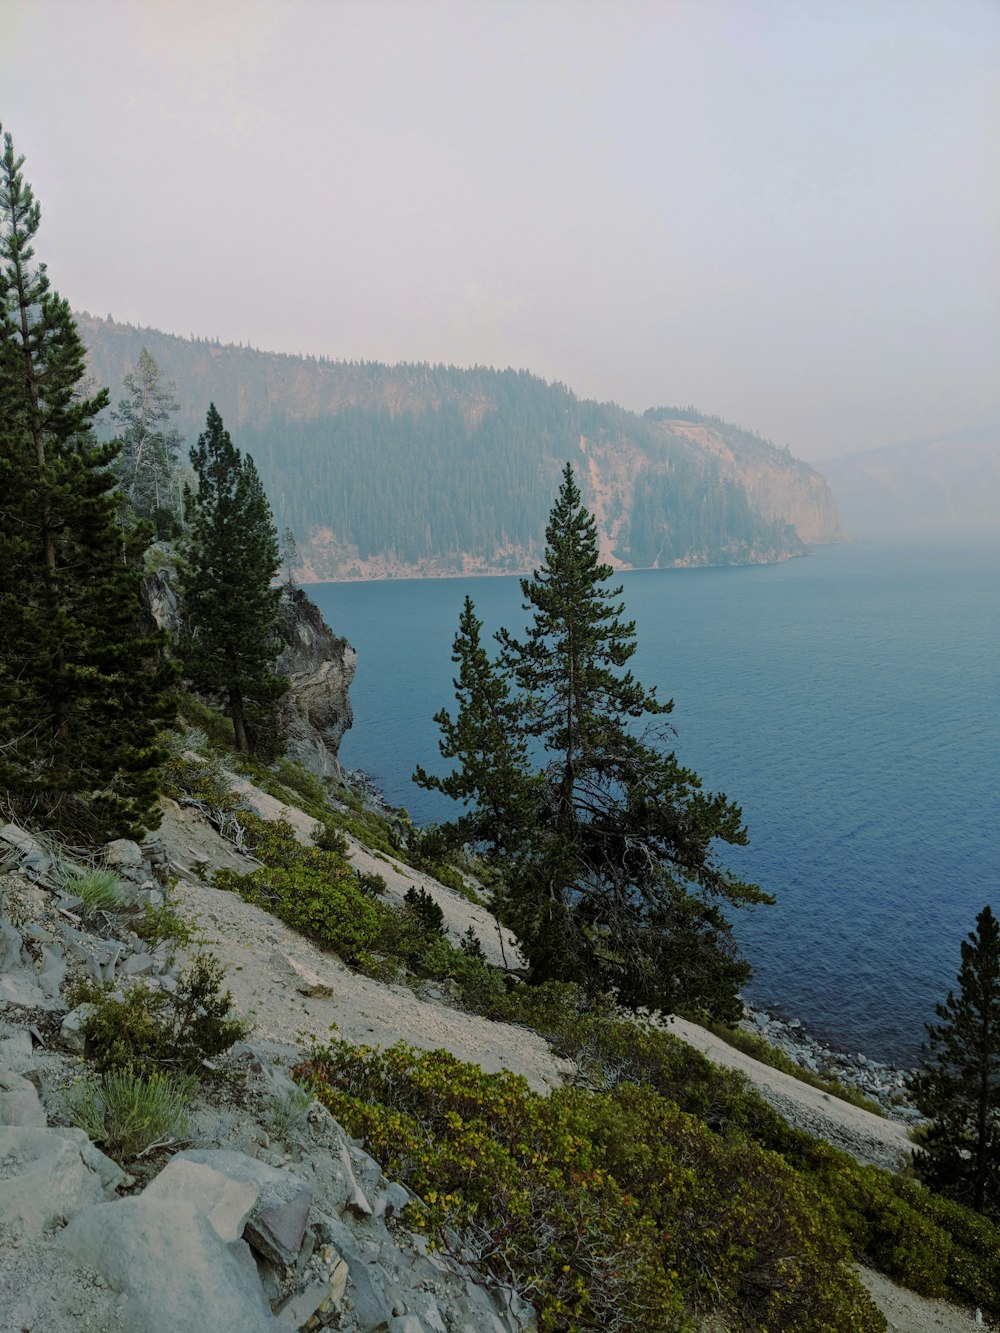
column 883, row 1082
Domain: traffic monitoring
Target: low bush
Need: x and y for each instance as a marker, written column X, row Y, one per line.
column 128, row 1114
column 312, row 890
column 752, row 1044
column 512, row 1171
column 609, row 1210
column 146, row 1029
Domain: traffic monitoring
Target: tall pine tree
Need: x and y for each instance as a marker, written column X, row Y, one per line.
column 231, row 609
column 959, row 1089
column 82, row 693
column 146, row 466
column 604, row 842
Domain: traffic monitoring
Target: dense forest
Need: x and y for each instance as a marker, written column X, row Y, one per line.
column 410, row 469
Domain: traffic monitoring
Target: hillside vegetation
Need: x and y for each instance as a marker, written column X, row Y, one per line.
column 415, row 469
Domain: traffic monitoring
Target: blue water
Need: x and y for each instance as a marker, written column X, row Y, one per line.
column 850, row 702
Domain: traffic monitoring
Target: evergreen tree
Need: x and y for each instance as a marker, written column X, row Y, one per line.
column 605, row 846
column 486, row 737
column 230, row 607
column 146, row 465
column 81, row 696
column 959, row 1088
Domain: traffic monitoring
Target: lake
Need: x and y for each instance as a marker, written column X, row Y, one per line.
column 848, row 701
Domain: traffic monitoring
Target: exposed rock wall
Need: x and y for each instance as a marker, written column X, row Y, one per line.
column 320, row 666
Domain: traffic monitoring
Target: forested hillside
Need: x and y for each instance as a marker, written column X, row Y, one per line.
column 410, row 469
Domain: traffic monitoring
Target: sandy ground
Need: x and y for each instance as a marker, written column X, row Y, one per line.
column 249, row 942
column 868, row 1137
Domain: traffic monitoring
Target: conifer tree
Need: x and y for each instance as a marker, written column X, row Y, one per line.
column 231, row 641
column 603, row 840
column 147, row 463
column 81, row 696
column 959, row 1088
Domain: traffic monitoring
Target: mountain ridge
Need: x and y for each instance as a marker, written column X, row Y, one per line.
column 420, row 470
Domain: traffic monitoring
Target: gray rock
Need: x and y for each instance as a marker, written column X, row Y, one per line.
column 16, row 1052
column 277, row 1223
column 173, row 1269
column 22, row 988
column 53, row 971
column 124, row 855
column 356, row 1200
column 139, row 965
column 226, row 1204
column 48, row 1176
column 72, row 1034
column 13, row 954
column 19, row 1104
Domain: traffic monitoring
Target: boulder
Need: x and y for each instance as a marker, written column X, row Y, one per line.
column 277, row 1223
column 19, row 1104
column 225, row 1203
column 303, row 978
column 172, row 1267
column 47, row 1176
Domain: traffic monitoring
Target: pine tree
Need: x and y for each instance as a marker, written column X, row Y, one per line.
column 606, row 846
column 494, row 777
column 146, row 465
column 231, row 609
column 959, row 1088
column 81, row 696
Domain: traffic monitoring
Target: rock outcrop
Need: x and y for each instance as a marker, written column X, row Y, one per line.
column 320, row 667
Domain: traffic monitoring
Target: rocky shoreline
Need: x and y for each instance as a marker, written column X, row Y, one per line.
column 885, row 1084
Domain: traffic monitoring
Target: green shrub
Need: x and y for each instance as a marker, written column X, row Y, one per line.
column 513, row 1171
column 314, row 891
column 330, row 838
column 146, row 1029
column 609, row 1207
column 217, row 727
column 303, row 783
column 163, row 925
column 128, row 1113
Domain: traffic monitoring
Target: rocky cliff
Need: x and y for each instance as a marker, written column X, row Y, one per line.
column 316, row 712
column 320, row 667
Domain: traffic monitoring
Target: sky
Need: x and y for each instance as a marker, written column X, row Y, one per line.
column 782, row 212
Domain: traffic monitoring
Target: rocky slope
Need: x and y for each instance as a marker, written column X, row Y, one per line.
column 268, row 1216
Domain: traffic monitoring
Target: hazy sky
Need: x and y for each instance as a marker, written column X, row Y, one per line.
column 784, row 213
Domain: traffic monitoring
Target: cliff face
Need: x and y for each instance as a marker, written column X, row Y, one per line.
column 316, row 712
column 320, row 667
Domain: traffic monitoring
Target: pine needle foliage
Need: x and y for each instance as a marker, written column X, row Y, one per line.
column 604, row 842
column 231, row 643
column 83, row 688
column 959, row 1088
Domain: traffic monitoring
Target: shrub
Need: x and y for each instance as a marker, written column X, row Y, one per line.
column 752, row 1044
column 162, row 925
column 146, row 1029
column 128, row 1113
column 513, row 1171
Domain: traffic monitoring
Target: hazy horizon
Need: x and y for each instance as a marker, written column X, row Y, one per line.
column 782, row 214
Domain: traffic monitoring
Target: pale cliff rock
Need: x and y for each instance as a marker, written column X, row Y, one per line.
column 320, row 667
column 318, row 664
